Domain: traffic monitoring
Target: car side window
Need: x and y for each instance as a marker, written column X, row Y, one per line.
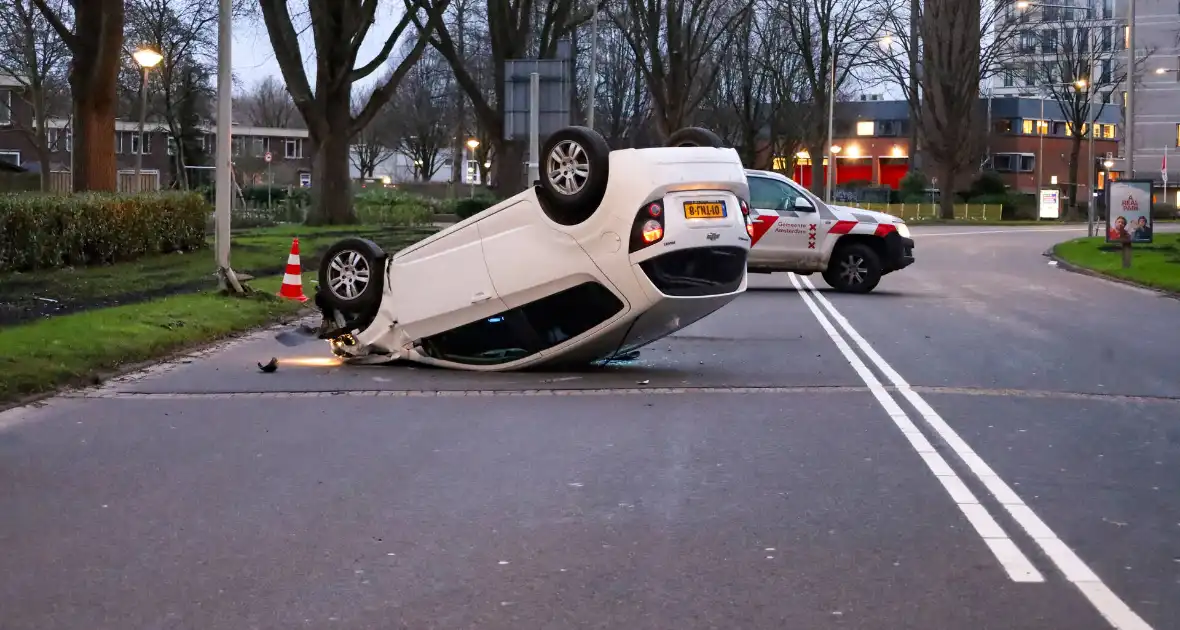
column 526, row 330
column 767, row 194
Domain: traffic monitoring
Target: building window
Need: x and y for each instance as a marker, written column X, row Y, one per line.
column 12, row 157
column 865, row 128
column 61, row 139
column 1178, row 135
column 305, row 180
column 236, row 143
column 5, row 107
column 261, row 146
column 293, row 150
column 171, row 145
column 137, row 140
column 1107, row 36
column 118, row 142
column 1107, row 131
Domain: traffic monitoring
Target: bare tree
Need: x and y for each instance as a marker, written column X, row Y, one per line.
column 95, row 41
column 672, row 42
column 747, row 106
column 623, row 107
column 268, row 104
column 184, row 33
column 33, row 54
column 897, row 62
column 338, row 30
column 376, row 143
column 949, row 128
column 831, row 37
column 426, row 114
column 1079, row 74
column 515, row 29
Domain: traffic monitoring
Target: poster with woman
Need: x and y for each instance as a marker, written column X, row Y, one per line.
column 1129, row 218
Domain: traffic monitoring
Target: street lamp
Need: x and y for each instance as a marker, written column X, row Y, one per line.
column 147, row 59
column 471, row 144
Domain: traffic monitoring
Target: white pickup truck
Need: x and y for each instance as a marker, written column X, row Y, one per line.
column 796, row 231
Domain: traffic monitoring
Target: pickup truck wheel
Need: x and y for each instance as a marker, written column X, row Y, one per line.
column 854, row 268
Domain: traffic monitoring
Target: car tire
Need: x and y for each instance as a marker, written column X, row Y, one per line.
column 853, row 268
column 351, row 276
column 695, row 137
column 575, row 163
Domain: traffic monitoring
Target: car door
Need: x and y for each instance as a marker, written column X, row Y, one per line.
column 785, row 230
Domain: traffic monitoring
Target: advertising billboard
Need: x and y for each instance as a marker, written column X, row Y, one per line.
column 1129, row 215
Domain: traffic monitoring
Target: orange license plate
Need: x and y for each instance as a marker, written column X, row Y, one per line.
column 704, row 210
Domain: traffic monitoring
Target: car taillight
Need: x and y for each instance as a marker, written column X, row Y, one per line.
column 648, row 227
column 746, row 217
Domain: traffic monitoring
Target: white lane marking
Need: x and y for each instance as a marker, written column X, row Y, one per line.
column 1017, row 565
column 1071, row 566
column 1024, row 231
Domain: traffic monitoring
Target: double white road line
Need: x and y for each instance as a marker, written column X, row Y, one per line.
column 1008, row 554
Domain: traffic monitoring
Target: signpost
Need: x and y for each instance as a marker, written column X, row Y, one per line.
column 1128, row 214
column 270, row 180
column 537, row 101
column 1049, row 206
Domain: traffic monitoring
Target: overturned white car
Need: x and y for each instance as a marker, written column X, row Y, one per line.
column 611, row 251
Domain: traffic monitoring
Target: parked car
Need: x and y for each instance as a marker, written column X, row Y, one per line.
column 796, row 231
column 608, row 252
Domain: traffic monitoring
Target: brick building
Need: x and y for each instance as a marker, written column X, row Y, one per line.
column 290, row 151
column 873, row 141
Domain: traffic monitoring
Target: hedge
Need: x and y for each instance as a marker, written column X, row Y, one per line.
column 382, row 206
column 42, row 231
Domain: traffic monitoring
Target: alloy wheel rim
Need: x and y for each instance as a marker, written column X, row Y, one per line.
column 348, row 274
column 568, row 167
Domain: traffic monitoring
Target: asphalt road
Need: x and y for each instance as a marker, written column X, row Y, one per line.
column 985, row 442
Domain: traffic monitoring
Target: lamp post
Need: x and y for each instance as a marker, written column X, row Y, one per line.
column 471, row 145
column 147, row 59
column 885, row 42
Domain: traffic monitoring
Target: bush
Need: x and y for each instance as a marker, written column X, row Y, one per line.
column 914, row 185
column 1163, row 210
column 258, row 194
column 40, row 231
column 989, row 183
column 465, row 208
column 391, row 207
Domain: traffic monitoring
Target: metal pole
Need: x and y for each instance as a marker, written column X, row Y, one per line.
column 142, row 121
column 224, row 152
column 831, row 182
column 1130, row 117
column 1040, row 155
column 534, row 126
column 1093, row 164
column 593, row 69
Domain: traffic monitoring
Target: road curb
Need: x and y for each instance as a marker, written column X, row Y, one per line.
column 1051, row 253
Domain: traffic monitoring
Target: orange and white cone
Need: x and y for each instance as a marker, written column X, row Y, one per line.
column 293, row 279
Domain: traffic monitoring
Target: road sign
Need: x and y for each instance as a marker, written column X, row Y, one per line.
column 267, row 157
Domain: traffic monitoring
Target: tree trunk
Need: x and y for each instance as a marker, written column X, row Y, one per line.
column 1075, row 151
column 946, row 192
column 331, row 181
column 818, row 180
column 508, row 169
column 94, row 142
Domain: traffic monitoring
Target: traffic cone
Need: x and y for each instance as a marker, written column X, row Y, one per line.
column 293, row 280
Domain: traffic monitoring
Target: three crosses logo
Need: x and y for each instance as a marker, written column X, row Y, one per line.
column 811, row 237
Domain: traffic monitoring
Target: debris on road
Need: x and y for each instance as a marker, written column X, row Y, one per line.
column 270, row 367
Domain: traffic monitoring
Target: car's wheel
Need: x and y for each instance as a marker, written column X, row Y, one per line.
column 574, row 170
column 351, row 274
column 695, row 137
column 854, row 268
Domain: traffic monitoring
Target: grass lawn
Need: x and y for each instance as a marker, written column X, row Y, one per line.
column 1156, row 265
column 259, row 252
column 75, row 349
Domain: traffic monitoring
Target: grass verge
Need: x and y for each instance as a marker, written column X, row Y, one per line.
column 259, row 252
column 1156, row 265
column 78, row 349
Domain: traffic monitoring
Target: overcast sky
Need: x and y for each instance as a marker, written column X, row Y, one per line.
column 254, row 58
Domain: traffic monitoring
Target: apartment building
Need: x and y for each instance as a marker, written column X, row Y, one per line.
column 290, row 163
